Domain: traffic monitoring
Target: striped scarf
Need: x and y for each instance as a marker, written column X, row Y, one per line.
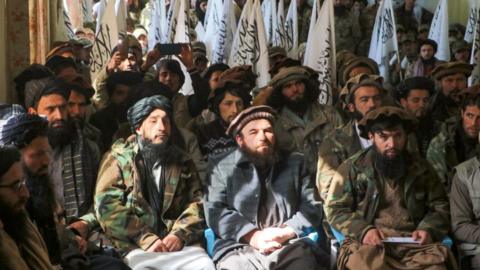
column 73, row 177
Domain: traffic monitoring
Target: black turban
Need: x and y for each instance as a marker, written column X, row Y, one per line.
column 144, row 107
column 8, row 156
column 21, row 129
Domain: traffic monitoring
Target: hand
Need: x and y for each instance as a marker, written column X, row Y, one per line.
column 114, row 62
column 152, row 57
column 173, row 242
column 158, row 246
column 373, row 237
column 422, row 236
column 279, row 235
column 261, row 241
column 82, row 244
column 186, row 56
column 81, row 227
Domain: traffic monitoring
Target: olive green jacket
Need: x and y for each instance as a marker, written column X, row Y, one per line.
column 353, row 199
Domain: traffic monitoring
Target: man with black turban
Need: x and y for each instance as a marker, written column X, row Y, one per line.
column 148, row 196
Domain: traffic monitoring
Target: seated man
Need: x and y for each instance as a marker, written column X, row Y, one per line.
column 21, row 245
column 414, row 96
column 457, row 140
column 464, row 206
column 66, row 249
column 384, row 191
column 259, row 201
column 148, row 196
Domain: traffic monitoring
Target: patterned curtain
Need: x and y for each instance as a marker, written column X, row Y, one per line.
column 38, row 30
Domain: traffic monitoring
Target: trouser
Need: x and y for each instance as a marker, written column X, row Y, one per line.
column 104, row 262
column 189, row 257
column 299, row 255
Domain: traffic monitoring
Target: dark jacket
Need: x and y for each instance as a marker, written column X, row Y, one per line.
column 233, row 197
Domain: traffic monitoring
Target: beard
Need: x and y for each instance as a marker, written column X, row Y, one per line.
column 62, row 135
column 261, row 160
column 166, row 152
column 14, row 222
column 298, row 105
column 42, row 201
column 390, row 167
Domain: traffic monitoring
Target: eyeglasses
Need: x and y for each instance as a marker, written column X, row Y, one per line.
column 16, row 186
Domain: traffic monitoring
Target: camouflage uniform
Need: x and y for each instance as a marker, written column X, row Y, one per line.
column 338, row 145
column 306, row 135
column 348, row 33
column 356, row 191
column 444, row 151
column 123, row 211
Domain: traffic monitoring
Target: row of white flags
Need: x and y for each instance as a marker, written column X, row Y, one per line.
column 246, row 41
column 472, row 35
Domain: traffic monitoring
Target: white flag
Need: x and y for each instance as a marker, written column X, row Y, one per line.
column 269, row 11
column 224, row 36
column 74, row 10
column 121, row 13
column 320, row 51
column 87, row 9
column 291, row 30
column 384, row 38
column 250, row 43
column 100, row 12
column 178, row 28
column 154, row 29
column 212, row 24
column 279, row 35
column 475, row 79
column 200, row 31
column 105, row 40
column 314, row 17
column 472, row 21
column 63, row 30
column 439, row 31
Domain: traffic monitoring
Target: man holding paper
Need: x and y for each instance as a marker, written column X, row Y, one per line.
column 388, row 202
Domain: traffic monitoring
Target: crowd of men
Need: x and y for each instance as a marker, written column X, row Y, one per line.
column 126, row 172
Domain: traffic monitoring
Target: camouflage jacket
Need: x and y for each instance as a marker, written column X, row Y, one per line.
column 350, row 35
column 339, row 145
column 305, row 135
column 356, row 190
column 124, row 213
column 442, row 151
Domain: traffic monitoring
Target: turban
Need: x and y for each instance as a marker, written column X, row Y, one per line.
column 144, row 107
column 8, row 156
column 20, row 130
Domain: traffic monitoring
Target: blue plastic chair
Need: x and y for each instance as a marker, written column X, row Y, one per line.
column 210, row 237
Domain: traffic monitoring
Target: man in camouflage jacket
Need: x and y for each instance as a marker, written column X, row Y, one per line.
column 148, row 196
column 303, row 123
column 361, row 94
column 385, row 191
column 457, row 140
